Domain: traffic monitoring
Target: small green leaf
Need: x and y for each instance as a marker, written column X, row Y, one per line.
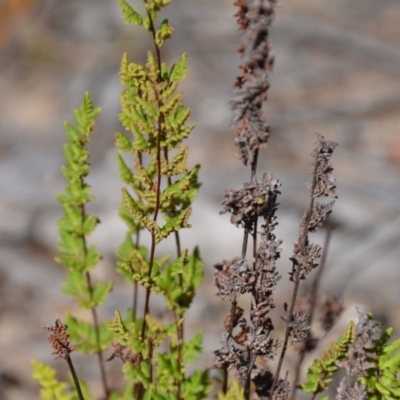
column 83, row 335
column 196, row 386
column 194, row 272
column 129, row 15
column 178, row 70
column 123, row 143
column 164, row 71
column 75, row 285
column 89, row 224
column 125, row 173
column 163, row 33
column 100, row 291
column 92, row 257
column 174, row 224
column 117, row 325
column 382, row 389
column 177, row 165
column 192, row 349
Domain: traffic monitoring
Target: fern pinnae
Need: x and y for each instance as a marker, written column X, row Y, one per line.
column 322, row 369
column 153, row 111
column 156, row 203
column 76, row 225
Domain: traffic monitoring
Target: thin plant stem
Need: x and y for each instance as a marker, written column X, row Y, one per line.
column 254, row 165
column 296, row 284
column 252, row 357
column 99, row 352
column 140, row 389
column 96, row 323
column 317, row 280
column 75, row 378
column 314, row 296
column 180, row 328
column 225, row 370
column 247, row 384
column 233, row 311
column 137, row 243
column 158, row 192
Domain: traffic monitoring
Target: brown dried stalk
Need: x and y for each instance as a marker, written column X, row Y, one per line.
column 60, row 341
column 331, row 310
column 247, row 344
column 358, row 360
column 247, row 205
column 306, row 255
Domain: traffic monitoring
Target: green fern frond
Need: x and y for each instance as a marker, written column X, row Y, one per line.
column 50, row 387
column 381, row 379
column 320, row 373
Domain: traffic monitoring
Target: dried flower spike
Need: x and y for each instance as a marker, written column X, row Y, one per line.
column 254, row 18
column 59, row 339
column 324, row 179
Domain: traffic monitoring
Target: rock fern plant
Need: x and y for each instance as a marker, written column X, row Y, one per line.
column 158, row 192
column 156, row 200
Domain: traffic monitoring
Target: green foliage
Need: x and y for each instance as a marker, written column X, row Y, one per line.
column 84, row 335
column 322, row 369
column 50, row 387
column 77, row 225
column 159, row 184
column 366, row 351
column 381, row 378
column 179, row 280
column 74, row 253
column 129, row 15
column 157, row 200
column 159, row 189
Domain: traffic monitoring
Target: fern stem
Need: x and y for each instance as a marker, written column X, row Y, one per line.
column 99, row 352
column 137, row 243
column 75, row 379
column 156, row 211
column 95, row 320
column 158, row 188
column 180, row 328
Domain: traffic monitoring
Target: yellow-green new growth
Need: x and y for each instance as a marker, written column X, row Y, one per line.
column 74, row 228
column 156, row 202
column 320, row 373
column 50, row 387
column 53, row 389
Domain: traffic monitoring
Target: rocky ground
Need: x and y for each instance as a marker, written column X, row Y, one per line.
column 337, row 71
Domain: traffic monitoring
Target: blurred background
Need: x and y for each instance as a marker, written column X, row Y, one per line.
column 337, row 72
